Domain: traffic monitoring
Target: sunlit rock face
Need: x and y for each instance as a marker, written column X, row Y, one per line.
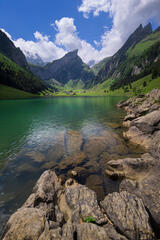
column 56, row 211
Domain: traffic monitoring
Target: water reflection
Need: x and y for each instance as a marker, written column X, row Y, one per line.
column 61, row 133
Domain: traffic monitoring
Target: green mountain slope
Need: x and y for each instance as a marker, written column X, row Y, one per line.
column 123, row 65
column 8, row 49
column 139, row 57
column 70, row 67
column 141, row 86
column 141, row 60
column 97, row 67
column 15, row 76
column 13, row 93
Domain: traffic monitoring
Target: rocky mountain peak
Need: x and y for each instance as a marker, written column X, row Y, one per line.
column 148, row 28
column 69, row 67
column 71, row 55
column 8, row 49
column 139, row 34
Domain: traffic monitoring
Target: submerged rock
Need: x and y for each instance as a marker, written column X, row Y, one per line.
column 73, row 140
column 57, row 151
column 36, row 156
column 72, row 161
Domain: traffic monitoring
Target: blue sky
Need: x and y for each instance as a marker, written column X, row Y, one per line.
column 21, row 18
column 96, row 28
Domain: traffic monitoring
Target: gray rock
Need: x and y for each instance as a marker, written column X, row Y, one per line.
column 128, row 215
column 26, row 223
column 79, row 202
column 148, row 123
column 136, row 136
column 132, row 168
column 154, row 147
column 89, row 231
column 45, row 191
column 148, row 190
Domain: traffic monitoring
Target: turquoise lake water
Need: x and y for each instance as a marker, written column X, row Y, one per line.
column 61, row 133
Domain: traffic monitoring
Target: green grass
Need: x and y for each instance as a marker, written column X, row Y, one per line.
column 89, row 219
column 138, row 87
column 13, row 93
column 139, row 49
column 103, row 89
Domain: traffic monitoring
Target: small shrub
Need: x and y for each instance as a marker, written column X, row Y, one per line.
column 89, row 219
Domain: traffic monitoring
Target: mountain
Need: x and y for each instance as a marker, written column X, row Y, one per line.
column 97, row 67
column 11, row 74
column 8, row 49
column 122, row 67
column 69, row 67
column 37, row 60
column 14, row 69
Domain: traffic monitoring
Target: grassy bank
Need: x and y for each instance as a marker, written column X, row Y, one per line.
column 13, row 93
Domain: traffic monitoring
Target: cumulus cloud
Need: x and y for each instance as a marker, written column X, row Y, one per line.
column 94, row 6
column 67, row 36
column 126, row 16
column 42, row 47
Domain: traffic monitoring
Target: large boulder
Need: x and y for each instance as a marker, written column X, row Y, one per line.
column 45, row 190
column 26, row 223
column 138, row 137
column 148, row 123
column 141, row 177
column 148, row 189
column 78, row 202
column 132, row 168
column 128, row 215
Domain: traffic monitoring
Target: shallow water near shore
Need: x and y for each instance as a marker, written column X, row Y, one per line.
column 64, row 133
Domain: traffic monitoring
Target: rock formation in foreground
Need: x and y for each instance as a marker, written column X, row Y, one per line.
column 71, row 211
column 140, row 176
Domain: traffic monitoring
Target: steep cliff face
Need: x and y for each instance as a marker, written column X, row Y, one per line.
column 11, row 74
column 69, row 67
column 8, row 49
column 112, row 68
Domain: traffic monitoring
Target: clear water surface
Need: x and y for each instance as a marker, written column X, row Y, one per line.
column 61, row 133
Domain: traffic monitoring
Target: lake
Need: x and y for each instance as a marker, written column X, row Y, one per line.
column 63, row 133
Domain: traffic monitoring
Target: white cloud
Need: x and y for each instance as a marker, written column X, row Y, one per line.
column 126, row 16
column 67, row 36
column 42, row 48
column 94, row 6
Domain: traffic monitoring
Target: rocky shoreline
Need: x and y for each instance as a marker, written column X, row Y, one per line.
column 71, row 211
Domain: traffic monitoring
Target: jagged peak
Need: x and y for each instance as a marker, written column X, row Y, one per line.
column 148, row 28
column 72, row 53
column 157, row 29
column 138, row 29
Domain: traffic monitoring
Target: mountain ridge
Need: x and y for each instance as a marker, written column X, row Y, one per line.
column 14, row 69
column 109, row 69
column 8, row 49
column 69, row 67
